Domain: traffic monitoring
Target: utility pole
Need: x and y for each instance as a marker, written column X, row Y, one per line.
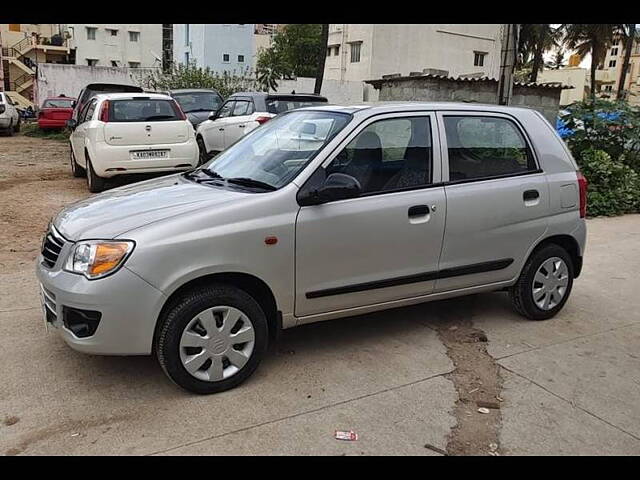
column 508, row 51
column 631, row 36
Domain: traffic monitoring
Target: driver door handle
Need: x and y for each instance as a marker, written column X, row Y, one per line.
column 418, row 210
column 221, row 129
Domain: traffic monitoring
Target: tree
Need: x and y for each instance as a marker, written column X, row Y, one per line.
column 631, row 38
column 593, row 38
column 294, row 52
column 535, row 39
column 558, row 60
column 324, row 38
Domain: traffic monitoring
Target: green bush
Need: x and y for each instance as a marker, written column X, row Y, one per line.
column 31, row 129
column 614, row 188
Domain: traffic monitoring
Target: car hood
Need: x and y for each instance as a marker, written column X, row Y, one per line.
column 120, row 210
column 196, row 118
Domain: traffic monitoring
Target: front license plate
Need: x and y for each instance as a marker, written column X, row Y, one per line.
column 149, row 154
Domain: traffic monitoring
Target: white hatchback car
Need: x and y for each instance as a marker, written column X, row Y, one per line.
column 9, row 117
column 127, row 133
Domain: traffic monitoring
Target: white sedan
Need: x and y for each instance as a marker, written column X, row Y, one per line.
column 128, row 133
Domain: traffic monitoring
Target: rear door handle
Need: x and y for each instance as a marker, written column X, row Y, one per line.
column 221, row 129
column 418, row 210
column 530, row 195
column 240, row 126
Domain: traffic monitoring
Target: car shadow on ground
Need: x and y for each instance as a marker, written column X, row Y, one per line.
column 304, row 347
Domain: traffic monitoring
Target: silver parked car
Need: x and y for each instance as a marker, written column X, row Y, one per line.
column 321, row 213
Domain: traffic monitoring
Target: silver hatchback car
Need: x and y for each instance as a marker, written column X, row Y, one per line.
column 321, row 213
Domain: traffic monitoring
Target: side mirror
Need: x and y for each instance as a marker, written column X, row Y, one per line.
column 71, row 123
column 337, row 186
column 213, row 115
column 73, row 104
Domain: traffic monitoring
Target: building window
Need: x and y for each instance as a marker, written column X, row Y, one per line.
column 240, row 58
column 355, row 52
column 615, row 42
column 91, row 33
column 92, row 62
column 612, row 63
column 186, row 58
column 114, row 63
column 225, row 57
column 478, row 59
column 112, row 32
column 614, row 51
column 134, row 64
column 337, row 50
column 134, row 36
column 329, row 51
column 608, row 88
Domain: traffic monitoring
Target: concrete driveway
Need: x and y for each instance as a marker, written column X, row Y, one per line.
column 408, row 381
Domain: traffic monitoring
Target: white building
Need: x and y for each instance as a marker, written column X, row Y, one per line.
column 221, row 47
column 116, row 45
column 368, row 51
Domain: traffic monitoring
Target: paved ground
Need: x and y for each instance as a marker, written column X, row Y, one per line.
column 402, row 379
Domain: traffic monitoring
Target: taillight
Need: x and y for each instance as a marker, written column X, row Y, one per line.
column 262, row 120
column 104, row 111
column 582, row 185
column 178, row 111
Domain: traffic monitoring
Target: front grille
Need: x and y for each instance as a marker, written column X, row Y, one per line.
column 51, row 247
column 49, row 299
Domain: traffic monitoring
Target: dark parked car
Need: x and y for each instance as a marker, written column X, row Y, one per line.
column 93, row 89
column 197, row 103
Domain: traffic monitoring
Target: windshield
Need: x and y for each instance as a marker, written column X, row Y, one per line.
column 198, row 101
column 277, row 151
column 279, row 105
column 58, row 103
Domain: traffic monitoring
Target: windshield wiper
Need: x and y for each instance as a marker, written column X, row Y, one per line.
column 201, row 110
column 159, row 117
column 250, row 182
column 192, row 175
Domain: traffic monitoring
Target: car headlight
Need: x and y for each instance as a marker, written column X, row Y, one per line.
column 98, row 258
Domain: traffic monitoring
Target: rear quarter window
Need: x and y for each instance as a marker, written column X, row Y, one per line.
column 275, row 105
column 57, row 103
column 143, row 110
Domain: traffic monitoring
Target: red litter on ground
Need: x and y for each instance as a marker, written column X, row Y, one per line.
column 349, row 436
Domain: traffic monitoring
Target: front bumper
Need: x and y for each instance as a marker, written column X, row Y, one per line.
column 129, row 308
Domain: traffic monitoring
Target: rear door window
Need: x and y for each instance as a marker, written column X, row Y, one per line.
column 143, row 110
column 484, row 147
column 87, row 113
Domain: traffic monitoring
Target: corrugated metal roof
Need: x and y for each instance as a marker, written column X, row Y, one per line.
column 552, row 85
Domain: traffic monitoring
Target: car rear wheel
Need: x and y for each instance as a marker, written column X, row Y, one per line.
column 16, row 129
column 544, row 284
column 76, row 169
column 211, row 339
column 202, row 152
column 95, row 183
column 10, row 129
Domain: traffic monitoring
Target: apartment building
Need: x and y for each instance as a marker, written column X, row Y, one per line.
column 23, row 47
column 368, row 51
column 221, row 47
column 116, row 45
column 608, row 74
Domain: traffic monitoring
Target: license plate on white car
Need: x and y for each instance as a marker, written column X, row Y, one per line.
column 149, row 154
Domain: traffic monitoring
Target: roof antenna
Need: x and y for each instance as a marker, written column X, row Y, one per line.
column 293, row 92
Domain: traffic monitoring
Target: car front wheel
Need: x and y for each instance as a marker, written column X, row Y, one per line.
column 76, row 169
column 544, row 284
column 203, row 155
column 211, row 339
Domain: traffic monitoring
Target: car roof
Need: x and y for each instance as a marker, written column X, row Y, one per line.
column 194, row 90
column 131, row 95
column 275, row 95
column 390, row 107
column 60, row 98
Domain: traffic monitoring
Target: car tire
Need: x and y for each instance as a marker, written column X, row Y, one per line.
column 9, row 130
column 76, row 169
column 203, row 155
column 16, row 129
column 95, row 183
column 544, row 284
column 193, row 313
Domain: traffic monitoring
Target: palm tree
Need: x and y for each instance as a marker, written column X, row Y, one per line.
column 558, row 60
column 593, row 38
column 535, row 39
column 631, row 37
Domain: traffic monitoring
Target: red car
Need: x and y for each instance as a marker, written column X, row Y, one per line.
column 55, row 112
